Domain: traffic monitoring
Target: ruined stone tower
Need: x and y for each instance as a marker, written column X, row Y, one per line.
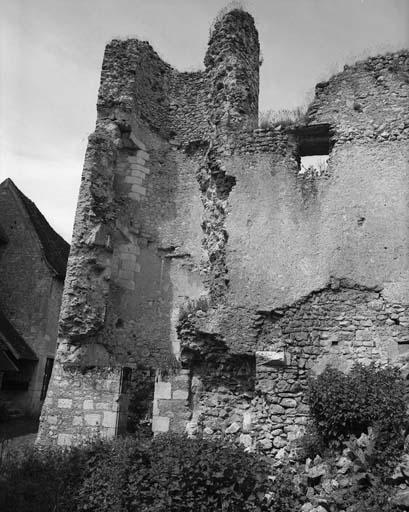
column 203, row 255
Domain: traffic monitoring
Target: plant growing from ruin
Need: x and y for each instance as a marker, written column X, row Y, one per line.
column 285, row 117
column 343, row 405
column 192, row 306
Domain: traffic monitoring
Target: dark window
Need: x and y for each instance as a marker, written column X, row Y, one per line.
column 314, row 144
column 47, row 376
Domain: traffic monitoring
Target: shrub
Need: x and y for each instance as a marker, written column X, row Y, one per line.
column 344, row 405
column 172, row 473
column 373, row 499
column 40, row 480
column 310, row 444
column 177, row 474
column 287, row 493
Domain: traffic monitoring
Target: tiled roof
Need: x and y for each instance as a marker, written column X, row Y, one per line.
column 10, row 339
column 56, row 249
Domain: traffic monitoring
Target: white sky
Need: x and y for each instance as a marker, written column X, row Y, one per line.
column 51, row 53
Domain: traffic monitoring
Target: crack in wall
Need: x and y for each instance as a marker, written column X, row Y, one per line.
column 215, row 186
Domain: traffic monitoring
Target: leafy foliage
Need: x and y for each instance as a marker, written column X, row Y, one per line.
column 175, row 474
column 344, row 405
column 172, row 473
column 37, row 480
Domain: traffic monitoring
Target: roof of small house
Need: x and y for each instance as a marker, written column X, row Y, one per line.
column 12, row 341
column 56, row 249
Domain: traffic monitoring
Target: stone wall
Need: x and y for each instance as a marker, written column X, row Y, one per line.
column 254, row 390
column 137, row 252
column 199, row 244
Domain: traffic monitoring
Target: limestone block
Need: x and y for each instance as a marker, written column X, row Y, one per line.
column 155, row 410
column 270, row 358
column 160, row 424
column 138, row 159
column 142, row 154
column 103, row 405
column 109, row 419
column 137, row 173
column 137, row 141
column 93, row 419
column 64, row 403
column 233, row 428
column 52, row 420
column 246, row 440
column 139, row 168
column 64, row 439
column 135, row 196
column 180, row 394
column 88, row 404
column 176, row 348
column 288, row 402
column 77, row 421
column 246, row 422
column 138, row 189
column 134, row 179
column 163, row 391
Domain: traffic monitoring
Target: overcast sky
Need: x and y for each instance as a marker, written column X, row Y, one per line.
column 51, row 54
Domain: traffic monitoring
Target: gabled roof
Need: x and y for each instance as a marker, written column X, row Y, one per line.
column 56, row 249
column 11, row 340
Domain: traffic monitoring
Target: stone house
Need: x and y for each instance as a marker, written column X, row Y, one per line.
column 33, row 259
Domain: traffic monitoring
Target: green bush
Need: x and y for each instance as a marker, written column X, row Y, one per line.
column 175, row 474
column 40, row 480
column 172, row 473
column 342, row 405
column 287, row 493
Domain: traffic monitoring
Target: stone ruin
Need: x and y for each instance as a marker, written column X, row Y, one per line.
column 208, row 276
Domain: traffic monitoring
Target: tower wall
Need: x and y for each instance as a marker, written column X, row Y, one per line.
column 201, row 252
column 137, row 251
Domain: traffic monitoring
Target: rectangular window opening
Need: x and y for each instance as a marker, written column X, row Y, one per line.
column 313, row 147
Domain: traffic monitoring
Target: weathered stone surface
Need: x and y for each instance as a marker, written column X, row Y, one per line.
column 198, row 238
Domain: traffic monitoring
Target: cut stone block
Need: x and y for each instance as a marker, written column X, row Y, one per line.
column 93, row 419
column 180, row 394
column 109, row 419
column 88, row 404
column 163, row 390
column 270, row 358
column 143, row 154
column 139, row 189
column 137, row 141
column 160, row 424
column 64, row 403
column 64, row 439
column 134, row 179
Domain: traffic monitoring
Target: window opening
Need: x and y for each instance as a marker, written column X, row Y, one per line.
column 47, row 376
